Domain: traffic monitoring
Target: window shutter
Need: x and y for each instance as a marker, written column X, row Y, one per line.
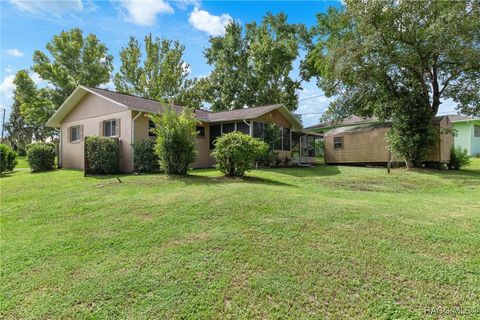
column 81, row 132
column 69, row 129
column 117, row 122
column 100, row 131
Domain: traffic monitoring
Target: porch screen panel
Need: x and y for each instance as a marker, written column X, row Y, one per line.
column 257, row 130
column 278, row 140
column 311, row 146
column 228, row 127
column 215, row 132
column 295, row 144
column 243, row 127
column 286, row 139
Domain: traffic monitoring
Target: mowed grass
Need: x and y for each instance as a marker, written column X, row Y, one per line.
column 323, row 242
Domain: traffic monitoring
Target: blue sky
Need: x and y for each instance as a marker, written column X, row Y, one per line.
column 27, row 25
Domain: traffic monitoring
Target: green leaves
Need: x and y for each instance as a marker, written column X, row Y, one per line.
column 175, row 145
column 162, row 75
column 74, row 60
column 253, row 67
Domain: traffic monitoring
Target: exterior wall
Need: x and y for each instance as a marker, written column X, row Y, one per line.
column 465, row 138
column 371, row 147
column 274, row 117
column 358, row 147
column 204, row 160
column 90, row 112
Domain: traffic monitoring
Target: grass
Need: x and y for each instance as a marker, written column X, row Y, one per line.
column 323, row 242
column 22, row 163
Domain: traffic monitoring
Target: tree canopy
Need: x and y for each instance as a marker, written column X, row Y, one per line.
column 252, row 66
column 73, row 60
column 160, row 76
column 372, row 52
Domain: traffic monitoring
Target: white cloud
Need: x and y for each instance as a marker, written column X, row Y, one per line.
column 55, row 7
column 312, row 104
column 204, row 21
column 7, row 86
column 14, row 52
column 144, row 12
column 183, row 4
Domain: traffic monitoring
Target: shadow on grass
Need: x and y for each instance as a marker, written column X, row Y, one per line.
column 302, row 172
column 192, row 179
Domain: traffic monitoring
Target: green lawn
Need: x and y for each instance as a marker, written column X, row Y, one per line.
column 323, row 242
column 22, row 163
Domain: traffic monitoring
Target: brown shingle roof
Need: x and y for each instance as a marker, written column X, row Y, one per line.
column 240, row 114
column 134, row 102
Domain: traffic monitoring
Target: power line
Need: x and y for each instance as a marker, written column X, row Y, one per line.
column 320, row 95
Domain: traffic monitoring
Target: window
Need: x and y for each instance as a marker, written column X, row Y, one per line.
column 476, row 131
column 110, row 128
column 215, row 132
column 228, row 127
column 151, row 126
column 338, row 143
column 286, row 139
column 200, row 131
column 74, row 133
column 243, row 127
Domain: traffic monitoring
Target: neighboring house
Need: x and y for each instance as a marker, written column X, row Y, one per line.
column 467, row 133
column 98, row 112
column 360, row 140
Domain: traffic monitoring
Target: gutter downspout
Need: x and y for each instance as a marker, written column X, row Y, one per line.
column 133, row 136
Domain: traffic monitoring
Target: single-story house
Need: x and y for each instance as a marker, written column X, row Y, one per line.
column 362, row 140
column 467, row 133
column 99, row 112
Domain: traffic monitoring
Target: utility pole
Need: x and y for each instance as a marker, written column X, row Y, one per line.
column 3, row 122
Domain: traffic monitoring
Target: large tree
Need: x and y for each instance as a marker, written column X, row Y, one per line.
column 19, row 134
column 73, row 60
column 253, row 66
column 370, row 50
column 375, row 56
column 161, row 75
column 36, row 105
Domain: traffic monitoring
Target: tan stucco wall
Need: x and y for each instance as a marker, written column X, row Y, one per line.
column 89, row 113
column 441, row 150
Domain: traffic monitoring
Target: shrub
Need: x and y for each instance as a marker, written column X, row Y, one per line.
column 269, row 158
column 144, row 156
column 41, row 156
column 102, row 154
column 459, row 158
column 235, row 152
column 175, row 145
column 8, row 158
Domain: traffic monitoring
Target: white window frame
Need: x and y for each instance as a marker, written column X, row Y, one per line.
column 70, row 129
column 105, row 128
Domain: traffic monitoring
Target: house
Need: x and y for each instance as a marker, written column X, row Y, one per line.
column 99, row 112
column 362, row 141
column 467, row 133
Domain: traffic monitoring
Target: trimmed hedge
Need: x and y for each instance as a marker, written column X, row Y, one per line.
column 41, row 156
column 103, row 155
column 144, row 157
column 8, row 158
column 235, row 153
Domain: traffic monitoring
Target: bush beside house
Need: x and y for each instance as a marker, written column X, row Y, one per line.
column 459, row 158
column 144, row 157
column 41, row 156
column 175, row 145
column 8, row 158
column 235, row 153
column 102, row 154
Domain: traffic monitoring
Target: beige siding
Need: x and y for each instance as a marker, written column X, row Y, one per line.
column 90, row 112
column 204, row 160
column 367, row 146
column 371, row 147
column 274, row 117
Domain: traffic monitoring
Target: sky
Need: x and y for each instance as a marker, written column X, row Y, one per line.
column 28, row 25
